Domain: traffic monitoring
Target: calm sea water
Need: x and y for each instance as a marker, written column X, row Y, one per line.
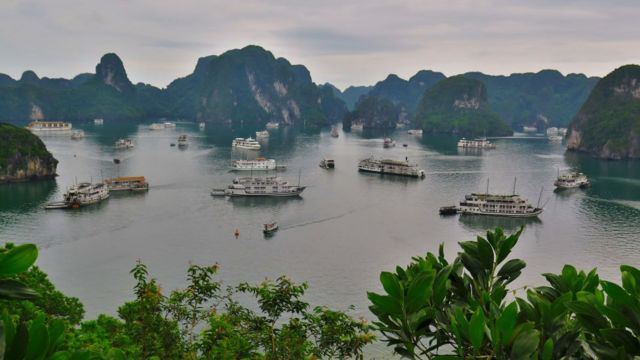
column 345, row 230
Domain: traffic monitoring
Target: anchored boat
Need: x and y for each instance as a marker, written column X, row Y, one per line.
column 393, row 167
column 479, row 143
column 259, row 164
column 183, row 141
column 327, row 164
column 49, row 126
column 124, row 144
column 127, row 183
column 80, row 195
column 499, row 205
column 571, row 180
column 260, row 187
column 248, row 143
column 270, row 228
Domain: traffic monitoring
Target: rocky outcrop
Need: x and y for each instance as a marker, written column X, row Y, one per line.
column 608, row 123
column 111, row 72
column 23, row 156
column 458, row 105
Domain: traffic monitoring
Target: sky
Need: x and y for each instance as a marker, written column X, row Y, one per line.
column 343, row 42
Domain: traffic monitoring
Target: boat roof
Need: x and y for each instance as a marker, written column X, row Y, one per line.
column 127, row 178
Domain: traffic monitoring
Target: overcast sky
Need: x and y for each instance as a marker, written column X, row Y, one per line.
column 342, row 42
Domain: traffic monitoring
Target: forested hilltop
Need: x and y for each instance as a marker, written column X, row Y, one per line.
column 246, row 86
column 458, row 105
column 546, row 98
column 608, row 124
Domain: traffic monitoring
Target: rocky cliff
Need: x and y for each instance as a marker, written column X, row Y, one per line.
column 608, row 124
column 250, row 86
column 458, row 105
column 373, row 112
column 23, row 156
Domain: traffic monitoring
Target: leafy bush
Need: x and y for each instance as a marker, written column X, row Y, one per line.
column 461, row 309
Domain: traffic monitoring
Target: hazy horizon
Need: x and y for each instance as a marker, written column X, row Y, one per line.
column 350, row 44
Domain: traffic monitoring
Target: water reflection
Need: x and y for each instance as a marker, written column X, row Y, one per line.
column 22, row 197
column 479, row 223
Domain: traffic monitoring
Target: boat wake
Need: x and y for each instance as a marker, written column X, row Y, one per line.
column 318, row 221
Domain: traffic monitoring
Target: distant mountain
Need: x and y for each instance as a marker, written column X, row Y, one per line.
column 250, row 86
column 373, row 112
column 458, row 105
column 546, row 98
column 608, row 124
column 405, row 93
column 351, row 95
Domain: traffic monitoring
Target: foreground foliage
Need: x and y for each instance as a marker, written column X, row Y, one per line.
column 460, row 309
column 202, row 321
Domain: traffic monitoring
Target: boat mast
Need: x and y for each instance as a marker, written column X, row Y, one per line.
column 487, row 192
column 514, row 184
column 540, row 197
column 299, row 174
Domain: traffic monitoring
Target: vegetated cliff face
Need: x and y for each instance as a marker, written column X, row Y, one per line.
column 246, row 86
column 546, row 98
column 458, row 105
column 608, row 124
column 23, row 156
column 373, row 112
column 249, row 86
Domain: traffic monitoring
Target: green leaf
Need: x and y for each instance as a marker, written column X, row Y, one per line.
column 11, row 289
column 473, row 265
column 440, row 285
column 392, row 285
column 485, row 253
column 476, row 328
column 507, row 322
column 386, row 304
column 3, row 342
column 56, row 329
column 18, row 259
column 18, row 348
column 38, row 339
column 525, row 345
column 420, row 290
column 511, row 267
column 547, row 350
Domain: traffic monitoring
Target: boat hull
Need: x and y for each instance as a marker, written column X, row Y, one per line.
column 278, row 195
column 534, row 213
column 381, row 172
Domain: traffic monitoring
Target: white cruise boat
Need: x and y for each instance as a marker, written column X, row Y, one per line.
column 156, row 126
column 414, row 132
column 264, row 134
column 82, row 194
column 77, row 135
column 202, row 125
column 169, row 125
column 183, row 141
column 49, row 126
column 272, row 125
column 562, row 131
column 259, row 164
column 357, row 126
column 334, row 132
column 555, row 138
column 124, row 144
column 572, row 180
column 479, row 143
column 98, row 121
column 552, row 131
column 393, row 167
column 388, row 143
column 248, row 143
column 262, row 187
column 498, row 205
column 529, row 129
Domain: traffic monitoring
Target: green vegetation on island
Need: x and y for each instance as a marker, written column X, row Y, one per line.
column 608, row 124
column 544, row 99
column 241, row 87
column 23, row 156
column 373, row 112
column 458, row 105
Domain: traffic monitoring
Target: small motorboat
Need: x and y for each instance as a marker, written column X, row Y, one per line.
column 327, row 163
column 388, row 143
column 449, row 210
column 405, row 145
column 57, row 205
column 270, row 229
